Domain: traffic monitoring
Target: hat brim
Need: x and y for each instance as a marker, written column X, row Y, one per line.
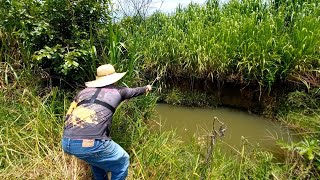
column 106, row 80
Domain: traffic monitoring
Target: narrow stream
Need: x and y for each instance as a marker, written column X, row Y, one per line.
column 187, row 121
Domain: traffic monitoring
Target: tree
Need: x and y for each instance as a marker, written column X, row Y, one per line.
column 134, row 8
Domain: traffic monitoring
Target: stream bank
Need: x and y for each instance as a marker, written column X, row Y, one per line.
column 199, row 92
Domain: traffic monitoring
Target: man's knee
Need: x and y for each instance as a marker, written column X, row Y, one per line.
column 126, row 159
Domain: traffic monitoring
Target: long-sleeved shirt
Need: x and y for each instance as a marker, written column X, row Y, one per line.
column 93, row 120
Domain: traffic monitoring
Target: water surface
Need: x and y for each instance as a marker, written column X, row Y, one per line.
column 187, row 121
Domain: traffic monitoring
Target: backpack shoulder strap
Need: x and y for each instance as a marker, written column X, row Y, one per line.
column 94, row 100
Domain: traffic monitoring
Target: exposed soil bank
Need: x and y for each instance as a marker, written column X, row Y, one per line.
column 249, row 97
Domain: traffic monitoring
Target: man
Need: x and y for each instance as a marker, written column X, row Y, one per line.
column 88, row 123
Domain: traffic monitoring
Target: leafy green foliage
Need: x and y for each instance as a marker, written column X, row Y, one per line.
column 302, row 109
column 59, row 35
column 308, row 150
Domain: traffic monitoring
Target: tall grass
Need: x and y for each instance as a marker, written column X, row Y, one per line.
column 30, row 136
column 246, row 41
column 30, row 146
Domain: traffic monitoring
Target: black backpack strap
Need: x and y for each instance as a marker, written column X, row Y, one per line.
column 94, row 100
column 95, row 95
column 107, row 105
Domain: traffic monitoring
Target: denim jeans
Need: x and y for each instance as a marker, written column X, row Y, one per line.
column 104, row 156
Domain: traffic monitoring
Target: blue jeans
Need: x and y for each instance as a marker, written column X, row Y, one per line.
column 104, row 156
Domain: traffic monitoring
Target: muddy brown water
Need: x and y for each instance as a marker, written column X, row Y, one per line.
column 187, row 122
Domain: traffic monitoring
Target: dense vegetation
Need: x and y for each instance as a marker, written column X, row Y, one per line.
column 243, row 41
column 49, row 48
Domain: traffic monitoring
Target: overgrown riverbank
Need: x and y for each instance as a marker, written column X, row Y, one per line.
column 49, row 48
column 32, row 127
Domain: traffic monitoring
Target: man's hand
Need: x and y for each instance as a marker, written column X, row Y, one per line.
column 149, row 88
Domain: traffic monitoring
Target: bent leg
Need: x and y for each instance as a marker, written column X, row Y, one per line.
column 119, row 169
column 98, row 173
column 114, row 159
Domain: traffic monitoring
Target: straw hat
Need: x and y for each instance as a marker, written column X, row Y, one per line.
column 106, row 75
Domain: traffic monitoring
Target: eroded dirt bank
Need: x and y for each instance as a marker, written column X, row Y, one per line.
column 246, row 96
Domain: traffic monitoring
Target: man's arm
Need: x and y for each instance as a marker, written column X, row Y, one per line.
column 127, row 93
